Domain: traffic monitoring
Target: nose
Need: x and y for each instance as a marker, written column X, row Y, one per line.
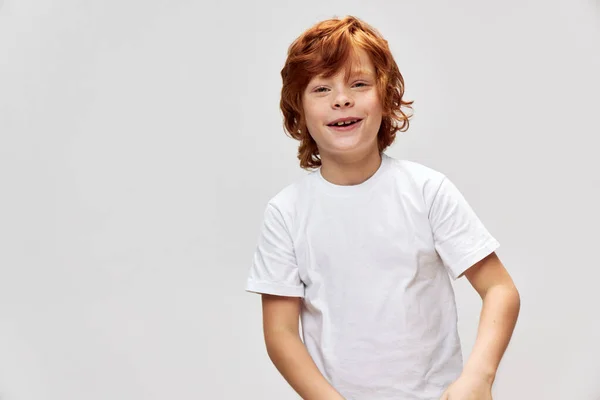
column 342, row 100
column 339, row 105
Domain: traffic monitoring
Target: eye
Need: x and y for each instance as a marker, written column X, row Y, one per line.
column 320, row 89
column 360, row 83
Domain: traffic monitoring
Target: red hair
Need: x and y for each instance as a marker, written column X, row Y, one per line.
column 324, row 50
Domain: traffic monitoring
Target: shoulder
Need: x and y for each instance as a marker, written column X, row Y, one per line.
column 423, row 178
column 286, row 202
column 418, row 171
column 292, row 192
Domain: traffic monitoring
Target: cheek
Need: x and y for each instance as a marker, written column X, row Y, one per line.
column 375, row 103
column 313, row 116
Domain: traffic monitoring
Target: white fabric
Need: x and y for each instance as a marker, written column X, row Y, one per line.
column 374, row 263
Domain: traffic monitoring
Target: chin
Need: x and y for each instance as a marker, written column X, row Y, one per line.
column 349, row 149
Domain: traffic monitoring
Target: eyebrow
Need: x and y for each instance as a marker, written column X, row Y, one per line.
column 354, row 73
column 361, row 71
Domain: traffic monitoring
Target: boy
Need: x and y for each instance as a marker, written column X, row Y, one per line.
column 364, row 248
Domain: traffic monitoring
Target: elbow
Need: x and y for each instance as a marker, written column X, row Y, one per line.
column 506, row 294
column 517, row 300
column 512, row 299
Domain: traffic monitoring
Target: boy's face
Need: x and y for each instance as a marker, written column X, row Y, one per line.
column 326, row 100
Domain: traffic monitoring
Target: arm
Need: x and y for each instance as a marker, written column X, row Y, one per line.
column 287, row 351
column 499, row 313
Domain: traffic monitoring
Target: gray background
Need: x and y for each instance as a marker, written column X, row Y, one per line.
column 141, row 140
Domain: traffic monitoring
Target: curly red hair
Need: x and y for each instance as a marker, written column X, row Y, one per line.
column 324, row 49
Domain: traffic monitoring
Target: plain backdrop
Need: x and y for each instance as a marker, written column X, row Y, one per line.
column 141, row 140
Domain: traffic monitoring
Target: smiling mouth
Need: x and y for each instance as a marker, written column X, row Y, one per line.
column 346, row 123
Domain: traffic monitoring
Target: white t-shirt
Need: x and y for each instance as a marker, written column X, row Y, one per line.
column 373, row 263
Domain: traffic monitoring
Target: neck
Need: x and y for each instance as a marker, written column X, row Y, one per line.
column 350, row 171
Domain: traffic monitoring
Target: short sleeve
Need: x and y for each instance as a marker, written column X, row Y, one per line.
column 460, row 237
column 274, row 269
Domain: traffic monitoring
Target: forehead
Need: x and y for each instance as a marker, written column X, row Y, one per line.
column 358, row 63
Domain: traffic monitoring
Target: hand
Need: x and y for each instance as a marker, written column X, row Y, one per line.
column 468, row 387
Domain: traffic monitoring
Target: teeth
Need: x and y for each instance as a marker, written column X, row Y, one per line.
column 345, row 123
